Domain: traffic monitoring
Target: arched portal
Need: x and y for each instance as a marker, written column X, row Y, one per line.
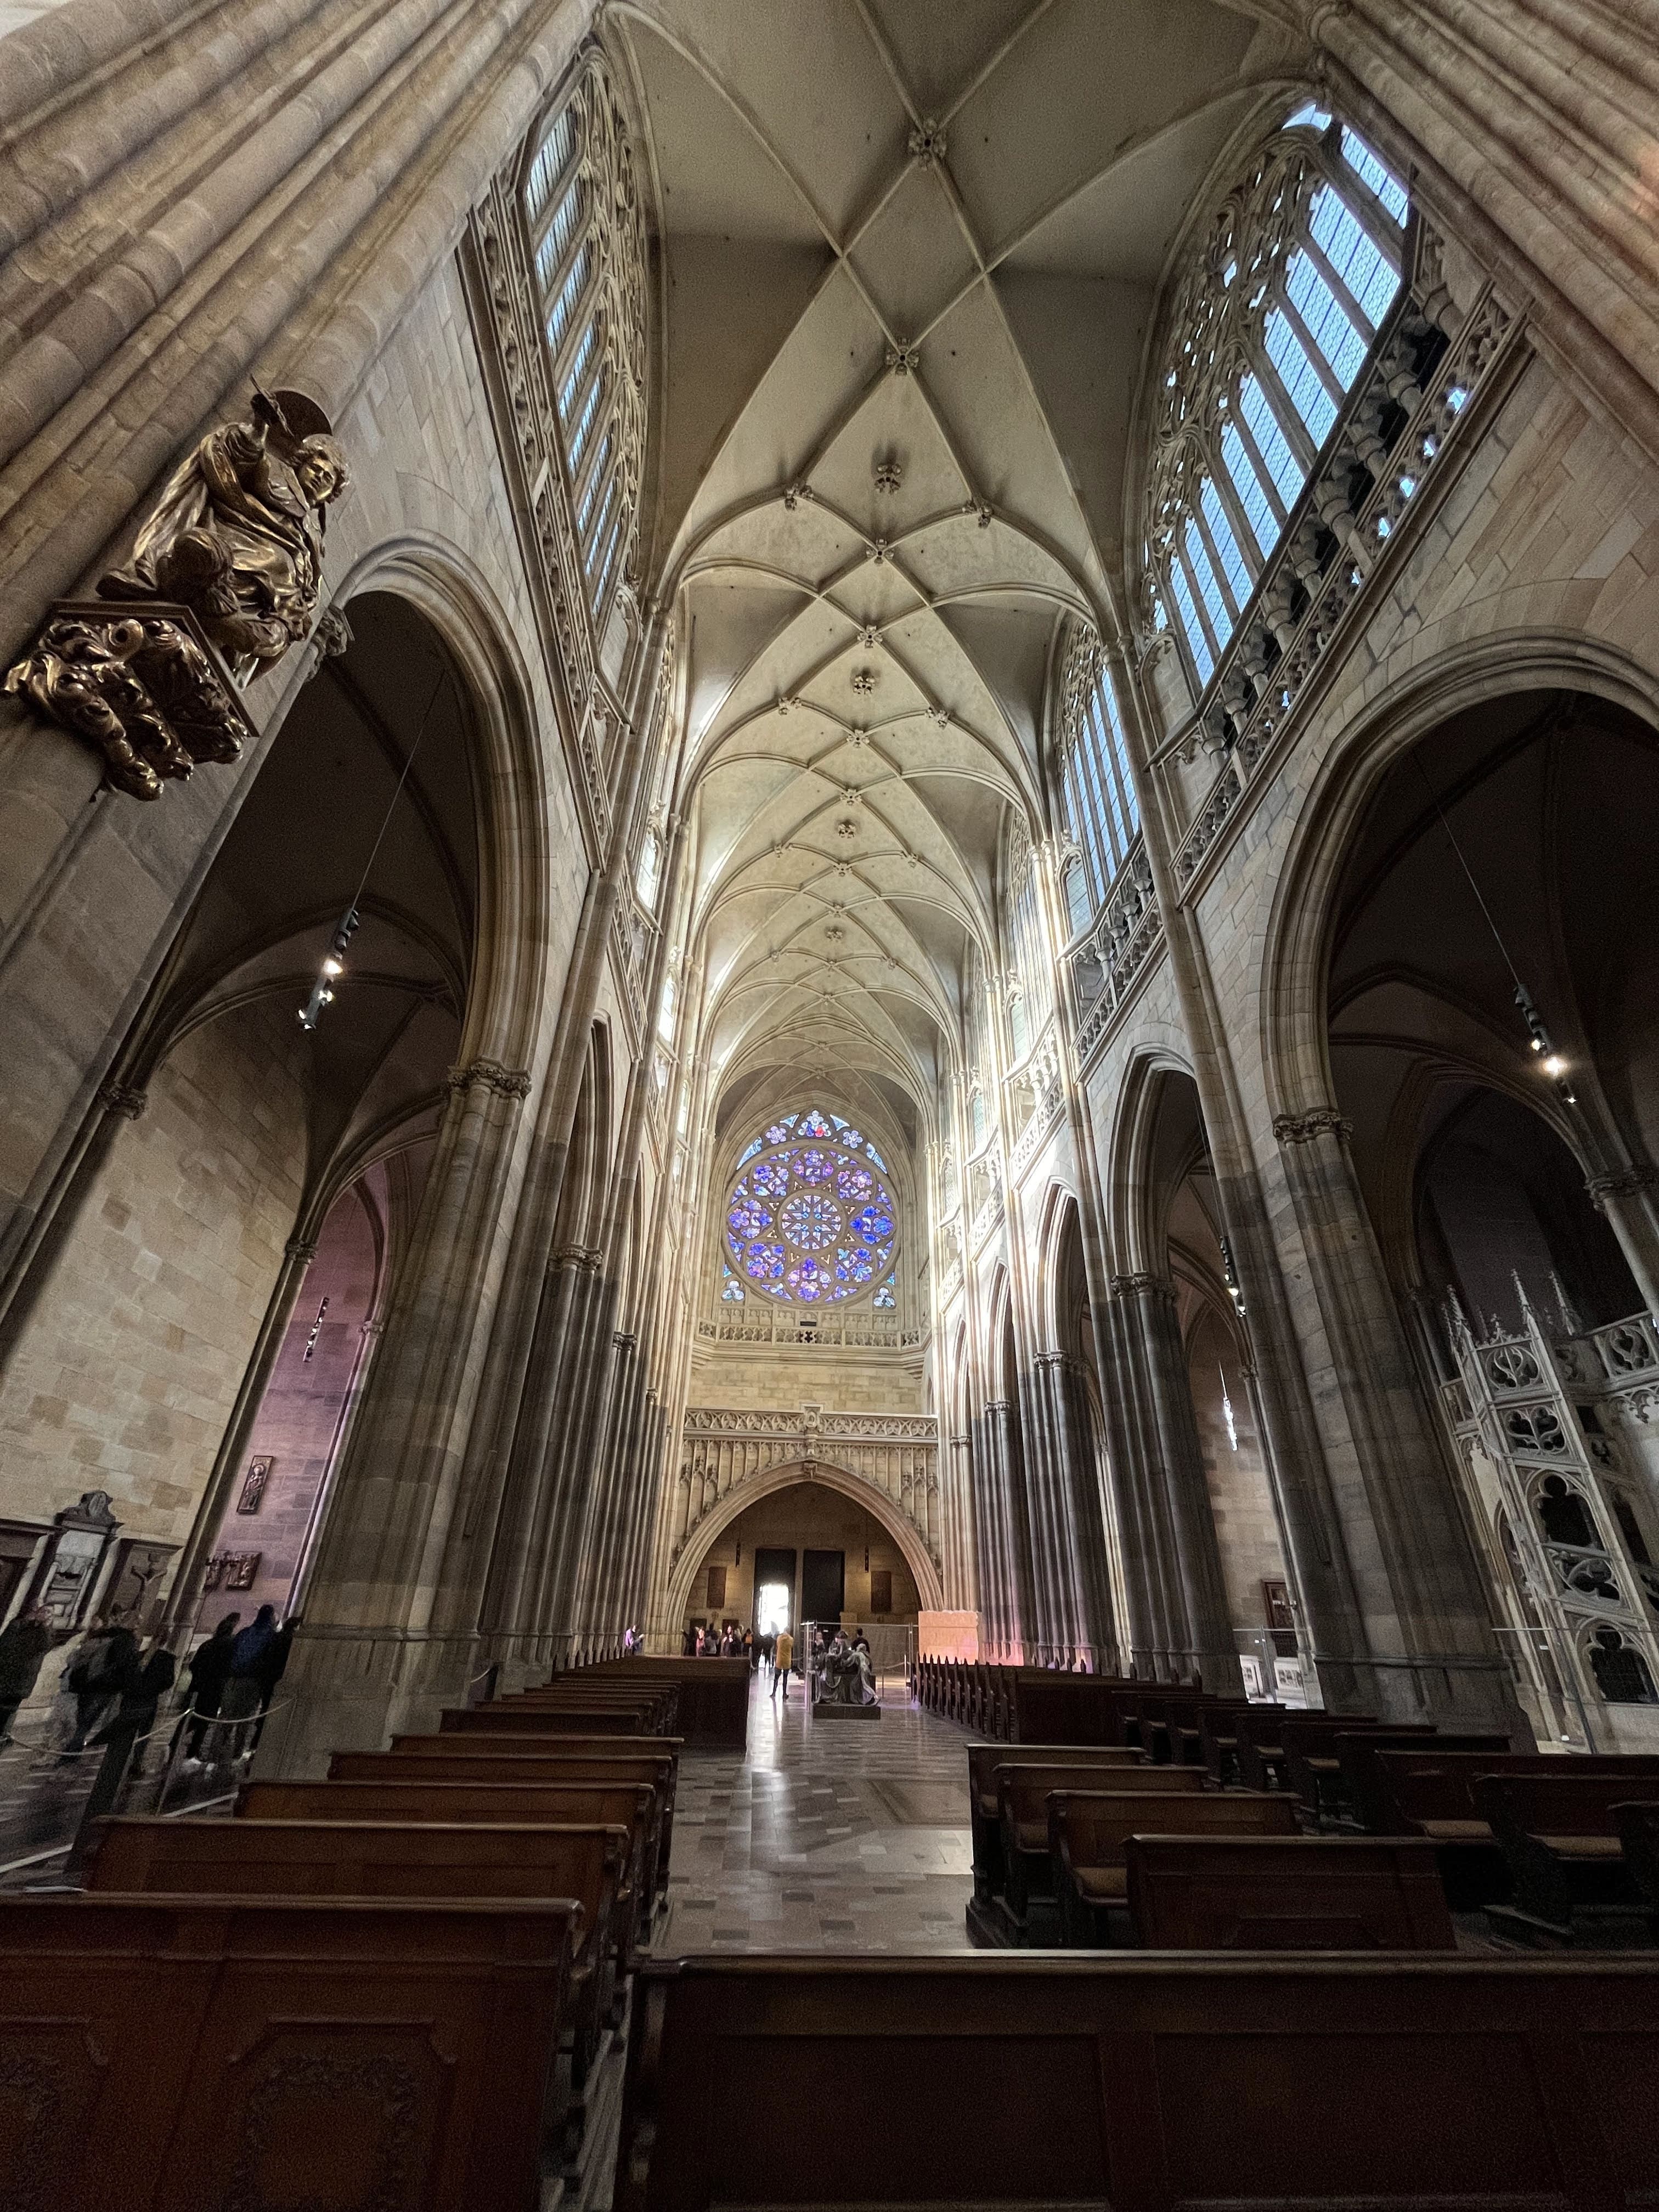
column 803, row 1475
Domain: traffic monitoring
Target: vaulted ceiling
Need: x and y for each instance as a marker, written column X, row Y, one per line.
column 912, row 251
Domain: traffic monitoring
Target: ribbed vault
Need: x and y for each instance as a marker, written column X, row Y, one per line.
column 912, row 250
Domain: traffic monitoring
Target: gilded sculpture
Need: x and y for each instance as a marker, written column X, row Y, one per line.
column 224, row 578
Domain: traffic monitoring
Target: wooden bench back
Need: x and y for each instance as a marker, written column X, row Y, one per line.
column 1093, row 1824
column 713, row 1694
column 1285, row 1893
column 984, row 1760
column 1403, row 1788
column 1022, row 1792
column 518, row 1719
column 173, row 2053
column 334, row 1858
column 1557, row 1804
column 1143, row 2082
column 630, row 1806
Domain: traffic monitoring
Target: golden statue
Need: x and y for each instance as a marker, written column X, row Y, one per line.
column 225, row 576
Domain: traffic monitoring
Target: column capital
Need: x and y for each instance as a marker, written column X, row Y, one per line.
column 299, row 1249
column 124, row 1099
column 505, row 1082
column 1620, row 1182
column 1137, row 1287
column 1305, row 1128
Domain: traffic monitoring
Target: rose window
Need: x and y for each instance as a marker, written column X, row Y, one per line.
column 810, row 1218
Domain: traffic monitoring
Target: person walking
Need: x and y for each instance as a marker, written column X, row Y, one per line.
column 106, row 1662
column 24, row 1643
column 209, row 1667
column 249, row 1656
column 783, row 1653
column 147, row 1683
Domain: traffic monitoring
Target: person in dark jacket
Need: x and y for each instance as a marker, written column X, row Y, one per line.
column 147, row 1683
column 106, row 1664
column 208, row 1666
column 24, row 1643
column 250, row 1658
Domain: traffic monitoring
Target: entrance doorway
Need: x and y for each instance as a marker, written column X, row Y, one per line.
column 823, row 1585
column 775, row 1589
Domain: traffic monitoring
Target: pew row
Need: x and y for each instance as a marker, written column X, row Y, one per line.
column 1025, row 1908
column 317, row 2052
column 1143, row 2081
column 1089, row 1831
column 1560, row 1833
column 713, row 1694
column 1281, row 1892
column 1428, row 1790
column 531, row 1759
column 630, row 1806
column 138, row 1853
column 984, row 1812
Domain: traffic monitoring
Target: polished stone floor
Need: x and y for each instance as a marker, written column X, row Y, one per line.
column 829, row 1836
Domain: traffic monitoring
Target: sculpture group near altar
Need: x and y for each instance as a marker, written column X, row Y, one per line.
column 845, row 1675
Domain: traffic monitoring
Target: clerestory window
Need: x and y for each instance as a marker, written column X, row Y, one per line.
column 1097, row 793
column 1274, row 319
column 588, row 256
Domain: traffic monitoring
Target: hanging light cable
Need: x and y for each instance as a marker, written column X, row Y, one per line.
column 333, row 964
column 1538, row 1039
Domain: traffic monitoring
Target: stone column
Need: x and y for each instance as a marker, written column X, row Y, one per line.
column 1629, row 1196
column 1180, row 1623
column 1429, row 1649
column 370, row 1658
column 1090, row 1627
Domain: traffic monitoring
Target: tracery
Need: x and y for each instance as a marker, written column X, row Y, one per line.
column 810, row 1218
column 589, row 258
column 1275, row 316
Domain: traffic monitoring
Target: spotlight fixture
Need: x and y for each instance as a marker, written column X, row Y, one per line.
column 333, row 964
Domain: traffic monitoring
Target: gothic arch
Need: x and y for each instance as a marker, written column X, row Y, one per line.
column 1297, row 949
column 506, row 990
column 788, row 1476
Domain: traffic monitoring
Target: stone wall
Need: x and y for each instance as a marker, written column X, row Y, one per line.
column 126, row 1378
column 788, row 1375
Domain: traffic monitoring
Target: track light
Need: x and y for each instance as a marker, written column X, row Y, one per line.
column 333, row 964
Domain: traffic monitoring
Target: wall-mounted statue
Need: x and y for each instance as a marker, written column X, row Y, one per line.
column 225, row 577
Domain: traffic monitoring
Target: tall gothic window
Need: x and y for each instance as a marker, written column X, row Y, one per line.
column 587, row 245
column 809, row 1219
column 1097, row 793
column 1274, row 319
column 1027, row 957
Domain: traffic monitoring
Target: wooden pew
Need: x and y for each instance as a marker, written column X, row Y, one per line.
column 1023, row 1793
column 1566, row 1860
column 1264, row 1754
column 713, row 1694
column 631, row 1805
column 168, row 2054
column 1638, row 1832
column 1089, row 1828
column 1430, row 1791
column 1285, row 1893
column 1314, row 1773
column 518, row 1719
column 984, row 1811
column 605, row 1759
column 1141, row 2081
column 1219, row 1728
column 338, row 1859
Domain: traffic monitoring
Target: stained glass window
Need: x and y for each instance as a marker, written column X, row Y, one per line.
column 1275, row 314
column 589, row 261
column 809, row 1219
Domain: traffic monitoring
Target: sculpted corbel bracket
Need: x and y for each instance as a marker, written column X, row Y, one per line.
column 225, row 579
